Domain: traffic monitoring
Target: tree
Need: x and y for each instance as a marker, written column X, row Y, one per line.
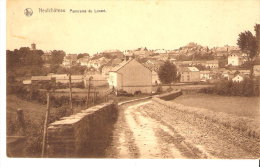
column 247, row 42
column 57, row 56
column 167, row 72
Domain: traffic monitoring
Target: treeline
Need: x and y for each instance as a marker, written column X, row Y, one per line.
column 24, row 62
column 27, row 62
column 230, row 88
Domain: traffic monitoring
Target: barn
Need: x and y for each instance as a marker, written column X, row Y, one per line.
column 131, row 76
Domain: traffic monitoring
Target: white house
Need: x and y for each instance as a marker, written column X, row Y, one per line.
column 238, row 78
column 131, row 76
column 235, row 60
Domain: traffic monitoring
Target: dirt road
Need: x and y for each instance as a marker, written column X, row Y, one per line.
column 146, row 130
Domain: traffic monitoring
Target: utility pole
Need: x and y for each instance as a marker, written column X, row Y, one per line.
column 71, row 109
column 46, row 124
column 70, row 92
column 90, row 78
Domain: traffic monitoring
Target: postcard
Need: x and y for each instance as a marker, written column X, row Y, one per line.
column 141, row 79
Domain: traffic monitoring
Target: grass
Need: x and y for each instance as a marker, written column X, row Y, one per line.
column 239, row 106
column 32, row 110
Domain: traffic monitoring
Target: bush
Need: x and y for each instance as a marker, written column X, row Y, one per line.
column 230, row 88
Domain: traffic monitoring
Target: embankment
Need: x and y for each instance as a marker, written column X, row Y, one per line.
column 246, row 125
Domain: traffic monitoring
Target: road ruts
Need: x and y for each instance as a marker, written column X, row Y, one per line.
column 148, row 131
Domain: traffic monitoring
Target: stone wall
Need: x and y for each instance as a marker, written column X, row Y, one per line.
column 169, row 96
column 85, row 134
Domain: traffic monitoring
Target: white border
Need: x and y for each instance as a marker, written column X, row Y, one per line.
column 4, row 161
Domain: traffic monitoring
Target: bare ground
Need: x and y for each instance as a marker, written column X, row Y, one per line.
column 146, row 130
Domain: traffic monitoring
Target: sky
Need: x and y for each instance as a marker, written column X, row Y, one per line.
column 155, row 24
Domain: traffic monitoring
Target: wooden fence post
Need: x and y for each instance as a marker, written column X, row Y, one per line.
column 90, row 78
column 46, row 124
column 20, row 120
column 71, row 108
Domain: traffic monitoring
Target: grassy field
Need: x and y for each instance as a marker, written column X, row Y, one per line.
column 240, row 106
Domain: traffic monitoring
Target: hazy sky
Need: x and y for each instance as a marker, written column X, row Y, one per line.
column 129, row 24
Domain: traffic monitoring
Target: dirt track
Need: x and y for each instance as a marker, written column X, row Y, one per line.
column 146, row 130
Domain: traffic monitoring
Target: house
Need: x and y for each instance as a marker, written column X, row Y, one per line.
column 131, row 76
column 112, row 63
column 69, row 59
column 97, row 63
column 210, row 63
column 154, row 64
column 205, row 63
column 83, row 61
column 189, row 74
column 238, row 78
column 235, row 60
column 205, row 75
column 226, row 74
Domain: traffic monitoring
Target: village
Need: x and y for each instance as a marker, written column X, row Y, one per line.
column 202, row 65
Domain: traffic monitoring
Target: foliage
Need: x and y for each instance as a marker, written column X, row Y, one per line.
column 230, row 88
column 57, row 56
column 23, row 57
column 167, row 72
column 247, row 43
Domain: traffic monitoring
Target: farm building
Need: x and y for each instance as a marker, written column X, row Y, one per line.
column 96, row 80
column 131, row 76
column 64, row 78
column 189, row 74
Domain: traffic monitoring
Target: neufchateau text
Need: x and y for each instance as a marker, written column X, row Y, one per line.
column 56, row 10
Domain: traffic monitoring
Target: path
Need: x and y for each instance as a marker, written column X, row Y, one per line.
column 145, row 130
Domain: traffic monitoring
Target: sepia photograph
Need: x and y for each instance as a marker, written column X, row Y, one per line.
column 133, row 79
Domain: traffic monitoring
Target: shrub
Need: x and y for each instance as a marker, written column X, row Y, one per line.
column 229, row 88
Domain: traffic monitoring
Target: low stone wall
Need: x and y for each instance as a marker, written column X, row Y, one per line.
column 246, row 125
column 169, row 96
column 85, row 134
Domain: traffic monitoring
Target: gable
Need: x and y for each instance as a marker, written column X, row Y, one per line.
column 133, row 64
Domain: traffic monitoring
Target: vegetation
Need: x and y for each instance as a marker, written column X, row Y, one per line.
column 167, row 73
column 247, row 42
column 34, row 115
column 230, row 88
